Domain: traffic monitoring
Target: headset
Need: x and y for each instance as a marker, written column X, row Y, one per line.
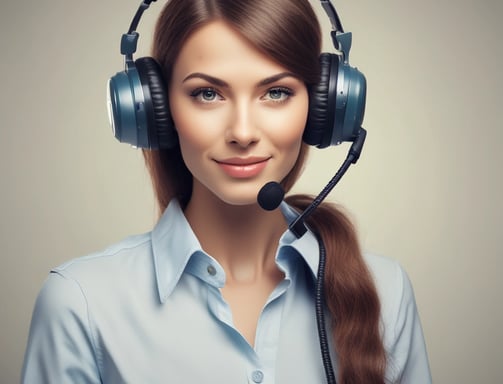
column 138, row 104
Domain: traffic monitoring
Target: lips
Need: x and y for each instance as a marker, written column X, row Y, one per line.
column 242, row 168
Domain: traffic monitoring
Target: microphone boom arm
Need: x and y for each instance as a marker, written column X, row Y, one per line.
column 298, row 227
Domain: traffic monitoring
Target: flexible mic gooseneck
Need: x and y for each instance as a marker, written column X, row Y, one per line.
column 297, row 226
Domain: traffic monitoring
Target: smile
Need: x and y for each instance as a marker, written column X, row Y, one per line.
column 243, row 168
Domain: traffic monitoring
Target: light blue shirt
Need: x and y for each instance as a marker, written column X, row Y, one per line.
column 149, row 310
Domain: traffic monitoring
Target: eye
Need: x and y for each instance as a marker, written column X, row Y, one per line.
column 278, row 94
column 205, row 95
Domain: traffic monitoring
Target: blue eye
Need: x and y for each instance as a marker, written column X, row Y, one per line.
column 275, row 94
column 208, row 94
column 204, row 95
column 278, row 94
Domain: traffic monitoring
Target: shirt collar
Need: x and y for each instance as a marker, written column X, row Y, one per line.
column 307, row 246
column 174, row 243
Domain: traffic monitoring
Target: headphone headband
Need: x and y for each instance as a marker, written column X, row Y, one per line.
column 332, row 15
column 136, row 19
column 130, row 39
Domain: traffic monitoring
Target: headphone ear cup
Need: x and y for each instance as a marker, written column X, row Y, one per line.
column 320, row 121
column 336, row 103
column 160, row 127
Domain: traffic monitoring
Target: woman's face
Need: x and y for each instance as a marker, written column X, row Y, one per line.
column 239, row 115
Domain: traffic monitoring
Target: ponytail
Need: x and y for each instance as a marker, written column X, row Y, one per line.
column 350, row 296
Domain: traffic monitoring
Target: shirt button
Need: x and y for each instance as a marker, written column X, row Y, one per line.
column 257, row 376
column 211, row 270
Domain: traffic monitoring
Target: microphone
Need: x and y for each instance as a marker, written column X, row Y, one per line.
column 270, row 196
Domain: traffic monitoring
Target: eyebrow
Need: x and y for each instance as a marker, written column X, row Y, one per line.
column 220, row 83
column 274, row 78
column 208, row 78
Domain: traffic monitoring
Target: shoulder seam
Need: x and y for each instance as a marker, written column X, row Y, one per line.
column 97, row 351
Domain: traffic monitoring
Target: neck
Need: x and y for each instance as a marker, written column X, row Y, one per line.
column 243, row 239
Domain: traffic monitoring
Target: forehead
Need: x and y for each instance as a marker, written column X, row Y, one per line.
column 220, row 50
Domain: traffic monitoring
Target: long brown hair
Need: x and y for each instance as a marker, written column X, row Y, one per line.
column 288, row 32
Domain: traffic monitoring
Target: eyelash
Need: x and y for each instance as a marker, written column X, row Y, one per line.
column 286, row 94
column 198, row 94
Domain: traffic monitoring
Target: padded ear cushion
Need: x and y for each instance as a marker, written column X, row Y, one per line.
column 161, row 131
column 320, row 120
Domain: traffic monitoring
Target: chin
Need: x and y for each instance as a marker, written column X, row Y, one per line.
column 231, row 193
column 239, row 195
column 239, row 200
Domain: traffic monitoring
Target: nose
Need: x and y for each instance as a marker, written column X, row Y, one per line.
column 242, row 129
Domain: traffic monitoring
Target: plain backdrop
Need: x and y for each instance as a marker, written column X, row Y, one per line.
column 427, row 190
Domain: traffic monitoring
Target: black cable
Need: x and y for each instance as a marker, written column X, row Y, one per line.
column 320, row 315
column 298, row 228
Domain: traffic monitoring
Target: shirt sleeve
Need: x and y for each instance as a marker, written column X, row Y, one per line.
column 60, row 346
column 408, row 358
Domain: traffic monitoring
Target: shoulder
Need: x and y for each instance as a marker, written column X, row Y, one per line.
column 76, row 299
column 395, row 292
column 389, row 276
column 401, row 327
column 128, row 254
column 106, row 276
column 74, row 288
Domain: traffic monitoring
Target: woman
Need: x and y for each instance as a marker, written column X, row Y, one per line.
column 220, row 291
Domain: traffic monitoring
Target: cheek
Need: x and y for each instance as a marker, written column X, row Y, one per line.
column 286, row 134
column 293, row 152
column 195, row 130
column 286, row 129
column 190, row 137
column 183, row 119
column 294, row 129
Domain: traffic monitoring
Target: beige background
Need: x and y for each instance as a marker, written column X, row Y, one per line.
column 427, row 190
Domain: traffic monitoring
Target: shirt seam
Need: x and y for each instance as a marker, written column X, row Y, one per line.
column 94, row 344
column 104, row 254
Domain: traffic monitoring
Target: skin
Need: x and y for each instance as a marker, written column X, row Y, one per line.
column 240, row 118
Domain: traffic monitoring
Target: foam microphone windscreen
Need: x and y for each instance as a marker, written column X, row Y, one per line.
column 270, row 196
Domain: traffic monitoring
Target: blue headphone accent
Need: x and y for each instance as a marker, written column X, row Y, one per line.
column 139, row 108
